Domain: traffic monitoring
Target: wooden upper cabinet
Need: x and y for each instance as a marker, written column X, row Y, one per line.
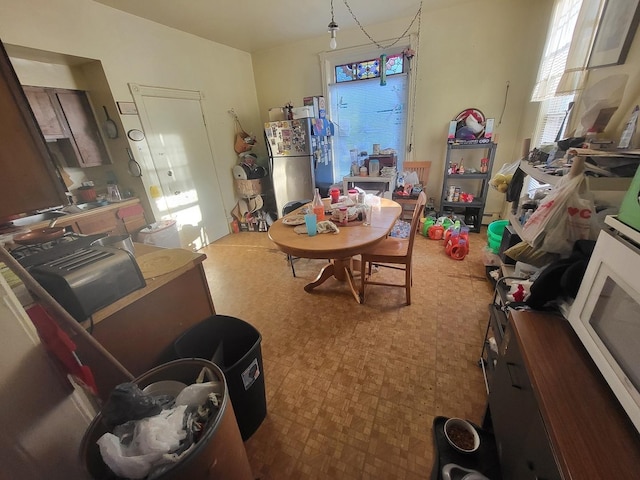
column 65, row 116
column 45, row 113
column 29, row 180
column 84, row 129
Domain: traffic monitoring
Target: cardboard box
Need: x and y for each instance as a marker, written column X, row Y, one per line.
column 277, row 114
column 303, row 112
column 488, row 129
column 453, row 125
column 318, row 104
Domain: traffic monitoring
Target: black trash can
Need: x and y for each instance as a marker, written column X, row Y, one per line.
column 233, row 345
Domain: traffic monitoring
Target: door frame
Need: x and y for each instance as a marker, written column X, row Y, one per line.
column 151, row 177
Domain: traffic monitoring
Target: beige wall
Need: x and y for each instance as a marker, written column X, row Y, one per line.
column 467, row 54
column 135, row 50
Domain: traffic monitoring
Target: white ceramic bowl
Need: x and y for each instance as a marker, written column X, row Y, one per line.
column 458, row 424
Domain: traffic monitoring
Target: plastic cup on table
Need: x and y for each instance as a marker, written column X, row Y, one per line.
column 367, row 215
column 310, row 222
column 335, row 195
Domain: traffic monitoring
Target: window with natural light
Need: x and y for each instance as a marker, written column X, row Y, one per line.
column 553, row 109
column 368, row 103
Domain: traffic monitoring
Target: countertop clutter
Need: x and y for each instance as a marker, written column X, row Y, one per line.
column 118, row 218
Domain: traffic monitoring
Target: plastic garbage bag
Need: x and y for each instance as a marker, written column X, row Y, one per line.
column 411, row 178
column 153, row 438
column 127, row 402
column 501, row 180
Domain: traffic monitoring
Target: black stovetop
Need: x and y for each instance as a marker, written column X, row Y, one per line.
column 40, row 253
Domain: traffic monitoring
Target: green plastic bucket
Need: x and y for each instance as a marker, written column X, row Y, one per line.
column 494, row 234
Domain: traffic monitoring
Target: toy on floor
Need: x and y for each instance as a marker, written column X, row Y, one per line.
column 456, row 241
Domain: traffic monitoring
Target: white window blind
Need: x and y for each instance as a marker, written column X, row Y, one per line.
column 554, row 58
column 366, row 113
column 552, row 110
column 575, row 72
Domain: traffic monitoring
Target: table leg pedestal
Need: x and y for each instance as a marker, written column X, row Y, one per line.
column 339, row 268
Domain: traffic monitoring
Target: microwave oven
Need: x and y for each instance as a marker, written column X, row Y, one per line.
column 606, row 313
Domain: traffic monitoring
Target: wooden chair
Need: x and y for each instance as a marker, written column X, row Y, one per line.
column 408, row 203
column 393, row 253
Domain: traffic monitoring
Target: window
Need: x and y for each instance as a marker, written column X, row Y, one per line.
column 368, row 105
column 369, row 69
column 366, row 113
column 551, row 119
column 552, row 66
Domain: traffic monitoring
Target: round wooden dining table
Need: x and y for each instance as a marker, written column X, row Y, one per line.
column 339, row 248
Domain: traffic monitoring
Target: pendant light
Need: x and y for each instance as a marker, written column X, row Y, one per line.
column 333, row 28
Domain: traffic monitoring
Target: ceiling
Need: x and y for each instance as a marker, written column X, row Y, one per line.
column 252, row 25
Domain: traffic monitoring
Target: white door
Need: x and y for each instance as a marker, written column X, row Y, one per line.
column 183, row 181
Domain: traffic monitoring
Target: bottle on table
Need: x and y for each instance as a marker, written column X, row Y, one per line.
column 318, row 206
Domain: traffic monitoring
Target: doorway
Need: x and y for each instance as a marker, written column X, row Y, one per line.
column 182, row 178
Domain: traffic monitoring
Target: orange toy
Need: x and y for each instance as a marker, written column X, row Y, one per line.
column 435, row 232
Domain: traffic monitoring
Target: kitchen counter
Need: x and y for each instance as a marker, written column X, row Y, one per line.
column 140, row 328
column 70, row 218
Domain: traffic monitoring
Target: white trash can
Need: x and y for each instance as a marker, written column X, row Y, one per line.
column 161, row 234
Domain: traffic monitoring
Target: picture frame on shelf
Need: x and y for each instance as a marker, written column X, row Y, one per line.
column 617, row 27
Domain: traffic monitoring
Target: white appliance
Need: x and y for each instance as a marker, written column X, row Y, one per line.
column 297, row 160
column 606, row 313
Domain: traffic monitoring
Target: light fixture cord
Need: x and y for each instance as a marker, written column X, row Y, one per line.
column 332, row 20
column 413, row 70
column 367, row 33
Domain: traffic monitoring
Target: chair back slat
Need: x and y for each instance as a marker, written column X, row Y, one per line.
column 421, row 168
column 415, row 220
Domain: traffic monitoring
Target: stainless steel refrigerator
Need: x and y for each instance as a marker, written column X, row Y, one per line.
column 294, row 154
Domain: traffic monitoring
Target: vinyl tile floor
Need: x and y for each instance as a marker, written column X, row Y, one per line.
column 352, row 390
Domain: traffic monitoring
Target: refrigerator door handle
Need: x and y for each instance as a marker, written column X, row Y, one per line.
column 268, row 144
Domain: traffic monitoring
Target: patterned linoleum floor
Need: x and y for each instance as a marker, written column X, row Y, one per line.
column 352, row 390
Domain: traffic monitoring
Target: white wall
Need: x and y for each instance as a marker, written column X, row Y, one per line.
column 134, row 50
column 467, row 54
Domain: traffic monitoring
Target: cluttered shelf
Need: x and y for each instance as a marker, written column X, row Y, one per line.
column 607, row 174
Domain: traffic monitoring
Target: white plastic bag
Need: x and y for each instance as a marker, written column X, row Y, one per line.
column 153, row 438
column 563, row 217
column 411, row 178
column 501, row 180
